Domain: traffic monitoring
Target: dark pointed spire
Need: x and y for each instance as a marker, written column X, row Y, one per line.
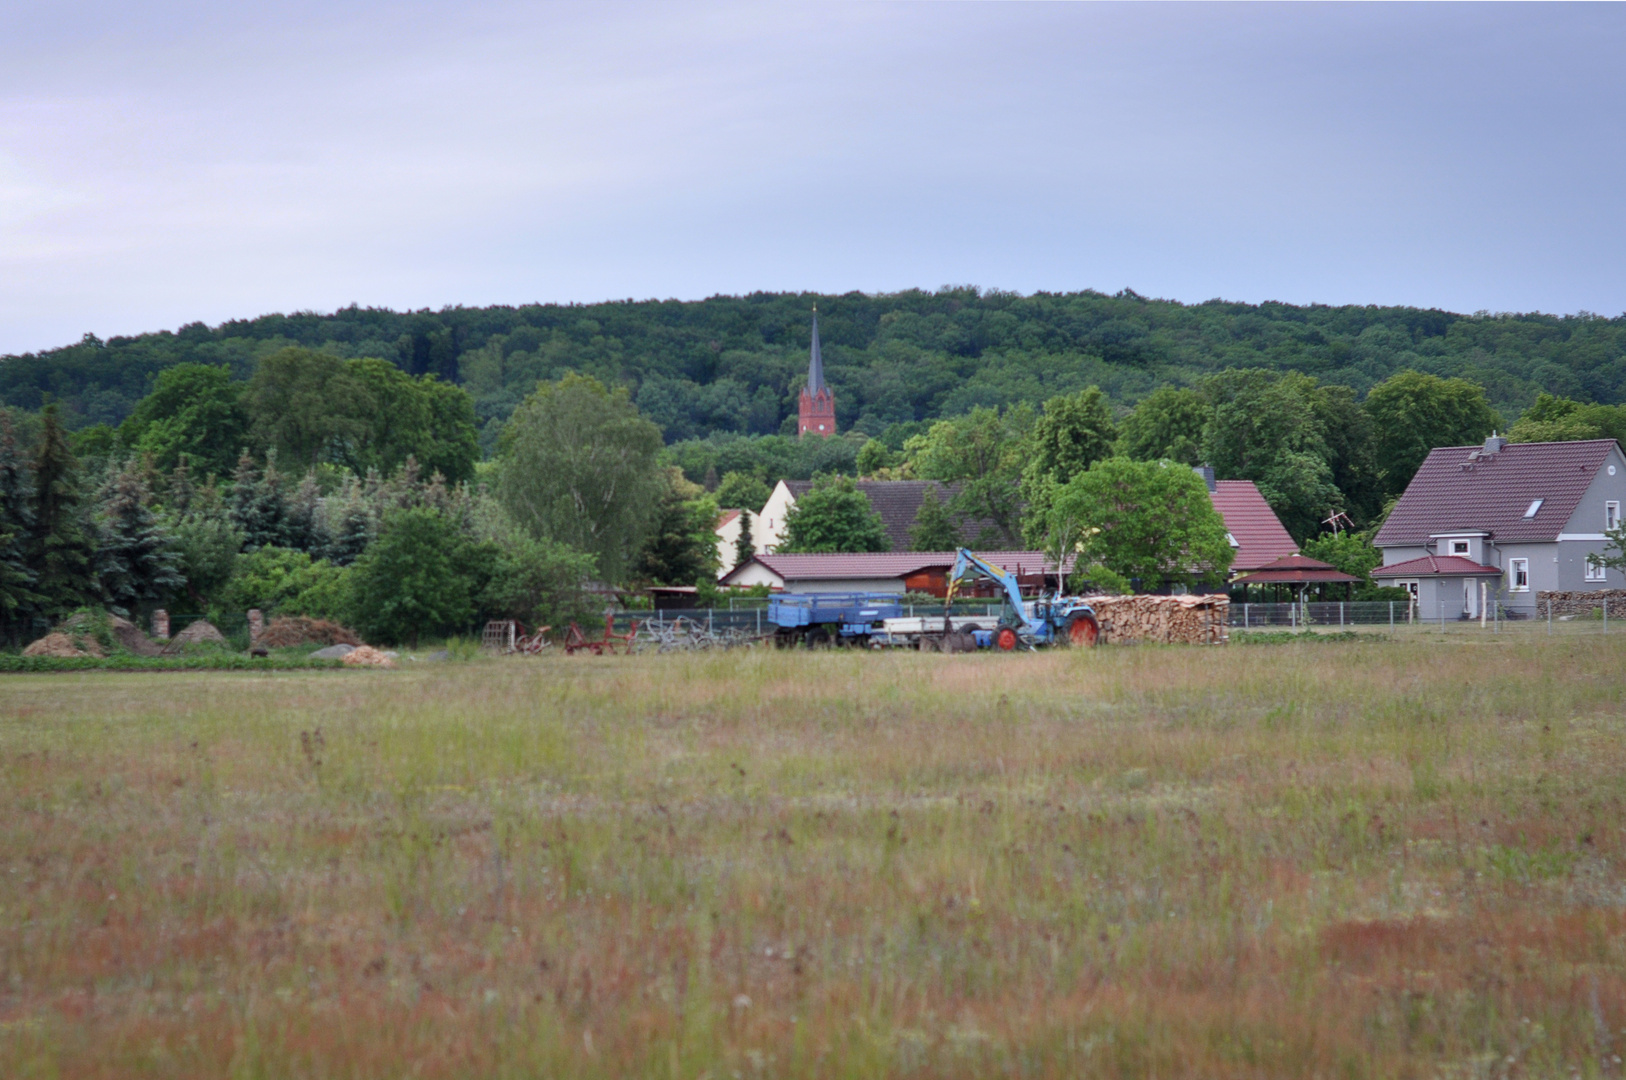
column 815, row 362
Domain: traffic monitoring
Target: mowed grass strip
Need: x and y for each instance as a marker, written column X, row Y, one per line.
column 1364, row 859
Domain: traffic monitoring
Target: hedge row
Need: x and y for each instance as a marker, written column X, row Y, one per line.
column 226, row 662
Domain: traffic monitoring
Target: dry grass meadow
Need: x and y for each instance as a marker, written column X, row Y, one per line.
column 1373, row 858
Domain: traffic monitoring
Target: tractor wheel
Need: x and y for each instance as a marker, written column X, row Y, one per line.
column 1082, row 631
column 1005, row 639
column 968, row 641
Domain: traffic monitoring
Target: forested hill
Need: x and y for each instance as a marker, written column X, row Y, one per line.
column 735, row 363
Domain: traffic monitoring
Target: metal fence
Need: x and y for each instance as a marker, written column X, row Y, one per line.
column 1397, row 614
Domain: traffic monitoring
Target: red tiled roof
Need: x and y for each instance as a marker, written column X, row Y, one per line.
column 887, row 565
column 1249, row 519
column 1295, row 569
column 1437, row 566
column 1460, row 487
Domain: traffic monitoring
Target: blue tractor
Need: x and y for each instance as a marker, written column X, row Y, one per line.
column 1044, row 620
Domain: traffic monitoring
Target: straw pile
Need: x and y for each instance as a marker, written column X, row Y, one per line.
column 201, row 632
column 55, row 644
column 1186, row 620
column 366, row 656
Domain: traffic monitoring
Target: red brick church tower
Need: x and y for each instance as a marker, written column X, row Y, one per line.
column 816, row 412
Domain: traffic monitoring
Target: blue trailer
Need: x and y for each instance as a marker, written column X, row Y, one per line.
column 830, row 618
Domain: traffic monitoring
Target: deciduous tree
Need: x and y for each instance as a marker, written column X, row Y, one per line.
column 834, row 516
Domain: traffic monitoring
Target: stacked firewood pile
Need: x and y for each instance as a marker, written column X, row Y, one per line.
column 1186, row 620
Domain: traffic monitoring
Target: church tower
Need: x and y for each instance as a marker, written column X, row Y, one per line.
column 816, row 412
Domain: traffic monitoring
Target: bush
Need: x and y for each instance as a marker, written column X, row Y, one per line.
column 284, row 581
column 539, row 583
column 420, row 578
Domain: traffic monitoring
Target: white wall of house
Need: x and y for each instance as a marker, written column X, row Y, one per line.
column 757, row 574
column 769, row 527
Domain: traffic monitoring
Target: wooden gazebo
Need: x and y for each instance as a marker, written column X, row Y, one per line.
column 1296, row 574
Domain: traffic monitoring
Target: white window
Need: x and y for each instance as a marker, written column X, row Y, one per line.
column 1596, row 573
column 1409, row 586
column 1611, row 516
column 1459, row 547
column 1535, row 504
column 1518, row 575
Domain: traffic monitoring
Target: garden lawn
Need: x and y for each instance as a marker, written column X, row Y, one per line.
column 1362, row 858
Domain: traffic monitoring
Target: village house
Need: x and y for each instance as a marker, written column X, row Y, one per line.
column 1504, row 520
column 890, row 572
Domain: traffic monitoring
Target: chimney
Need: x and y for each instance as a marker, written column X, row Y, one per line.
column 1207, row 473
column 1493, row 445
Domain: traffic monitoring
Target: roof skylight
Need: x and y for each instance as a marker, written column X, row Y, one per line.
column 1535, row 504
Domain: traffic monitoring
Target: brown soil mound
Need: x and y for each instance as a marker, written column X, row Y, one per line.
column 286, row 631
column 200, row 632
column 54, row 644
column 366, row 656
column 127, row 634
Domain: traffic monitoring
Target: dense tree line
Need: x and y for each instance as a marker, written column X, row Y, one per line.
column 733, row 365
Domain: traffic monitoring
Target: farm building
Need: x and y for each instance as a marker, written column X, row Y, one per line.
column 1519, row 518
column 894, row 572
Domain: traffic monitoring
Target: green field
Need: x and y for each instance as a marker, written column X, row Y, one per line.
column 1373, row 857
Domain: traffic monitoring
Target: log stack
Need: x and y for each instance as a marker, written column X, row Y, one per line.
column 1186, row 620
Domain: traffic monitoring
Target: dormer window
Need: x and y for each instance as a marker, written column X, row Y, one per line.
column 1459, row 547
column 1535, row 504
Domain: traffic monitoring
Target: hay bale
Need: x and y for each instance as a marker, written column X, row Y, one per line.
column 367, row 656
column 54, row 644
column 201, row 632
column 130, row 637
column 287, row 631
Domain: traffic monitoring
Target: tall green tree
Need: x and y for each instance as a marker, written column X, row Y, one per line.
column 1151, row 522
column 1167, row 424
column 578, row 466
column 984, row 451
column 739, row 489
column 308, row 406
column 933, row 528
column 194, row 412
column 206, row 542
column 402, row 417
column 834, row 516
column 136, row 559
column 17, row 593
column 1263, row 426
column 1412, row 413
column 1559, row 419
column 258, row 509
column 681, row 547
column 59, row 552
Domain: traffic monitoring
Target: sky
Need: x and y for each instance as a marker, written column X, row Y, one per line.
column 166, row 163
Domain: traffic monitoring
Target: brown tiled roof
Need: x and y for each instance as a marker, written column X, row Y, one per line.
column 898, row 501
column 1295, row 569
column 1460, row 488
column 887, row 565
column 1249, row 519
column 1437, row 566
column 724, row 517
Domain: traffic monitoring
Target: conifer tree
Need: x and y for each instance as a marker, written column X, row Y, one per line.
column 16, row 521
column 303, row 523
column 744, row 546
column 135, row 555
column 58, row 550
column 257, row 509
column 348, row 524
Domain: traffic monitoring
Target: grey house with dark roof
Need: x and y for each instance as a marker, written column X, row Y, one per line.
column 1519, row 519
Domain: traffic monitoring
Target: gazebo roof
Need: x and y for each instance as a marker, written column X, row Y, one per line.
column 1295, row 570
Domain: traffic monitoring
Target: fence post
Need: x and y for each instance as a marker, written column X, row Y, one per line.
column 1391, row 614
column 1549, row 616
column 759, row 622
column 1340, row 614
column 1442, row 616
column 1244, row 616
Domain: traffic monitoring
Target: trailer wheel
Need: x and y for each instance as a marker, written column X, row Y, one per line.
column 1005, row 639
column 1082, row 631
column 968, row 641
column 818, row 638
